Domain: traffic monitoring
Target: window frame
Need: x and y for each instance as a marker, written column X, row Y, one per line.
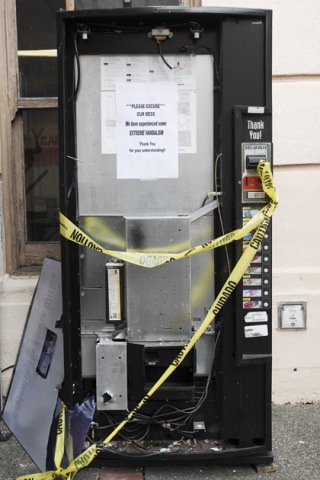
column 18, row 252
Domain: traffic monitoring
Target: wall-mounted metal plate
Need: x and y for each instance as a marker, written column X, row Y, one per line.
column 292, row 315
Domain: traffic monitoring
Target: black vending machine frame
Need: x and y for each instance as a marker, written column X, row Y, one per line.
column 240, row 40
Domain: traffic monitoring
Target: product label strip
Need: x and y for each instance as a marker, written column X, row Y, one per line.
column 86, row 457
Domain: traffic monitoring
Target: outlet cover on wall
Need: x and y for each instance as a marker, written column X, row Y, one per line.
column 292, row 315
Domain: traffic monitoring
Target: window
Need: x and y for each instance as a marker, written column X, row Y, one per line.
column 29, row 130
column 40, row 137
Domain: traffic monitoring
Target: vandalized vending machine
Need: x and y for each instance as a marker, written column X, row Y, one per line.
column 165, row 127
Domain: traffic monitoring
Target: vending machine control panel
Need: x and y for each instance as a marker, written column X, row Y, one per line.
column 252, row 144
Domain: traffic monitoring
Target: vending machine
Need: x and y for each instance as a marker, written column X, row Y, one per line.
column 165, row 115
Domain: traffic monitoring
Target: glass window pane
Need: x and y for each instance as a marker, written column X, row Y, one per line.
column 41, row 174
column 36, row 26
column 38, row 77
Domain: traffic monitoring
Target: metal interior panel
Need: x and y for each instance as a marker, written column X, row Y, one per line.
column 93, row 304
column 88, row 352
column 109, row 231
column 92, row 270
column 204, row 347
column 111, row 358
column 100, row 192
column 202, row 268
column 158, row 300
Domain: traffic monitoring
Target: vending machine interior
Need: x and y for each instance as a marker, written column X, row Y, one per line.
column 165, row 113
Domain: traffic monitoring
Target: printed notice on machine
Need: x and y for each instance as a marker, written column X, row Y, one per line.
column 145, row 70
column 147, row 134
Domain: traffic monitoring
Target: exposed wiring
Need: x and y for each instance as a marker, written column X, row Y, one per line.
column 85, row 30
column 77, row 70
column 161, row 55
column 169, row 417
column 124, row 29
column 126, row 454
column 192, row 49
column 218, row 157
column 210, row 195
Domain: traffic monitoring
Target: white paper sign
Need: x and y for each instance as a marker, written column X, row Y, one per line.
column 147, row 130
column 131, row 69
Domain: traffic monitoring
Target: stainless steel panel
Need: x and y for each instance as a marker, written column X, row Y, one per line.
column 158, row 300
column 205, row 348
column 159, row 305
column 100, row 192
column 202, row 268
column 92, row 269
column 109, row 232
column 93, row 302
column 111, row 360
column 88, row 355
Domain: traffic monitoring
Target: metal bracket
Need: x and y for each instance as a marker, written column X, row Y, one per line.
column 204, row 210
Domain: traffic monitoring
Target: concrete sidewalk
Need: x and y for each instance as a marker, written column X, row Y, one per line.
column 296, row 444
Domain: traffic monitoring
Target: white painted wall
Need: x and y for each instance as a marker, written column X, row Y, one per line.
column 296, row 32
column 296, row 225
column 296, row 262
column 15, row 297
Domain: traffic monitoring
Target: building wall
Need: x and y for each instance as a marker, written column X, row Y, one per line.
column 296, row 226
column 296, row 259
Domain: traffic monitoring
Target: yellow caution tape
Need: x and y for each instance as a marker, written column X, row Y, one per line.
column 149, row 260
column 59, row 450
column 154, row 259
column 86, row 457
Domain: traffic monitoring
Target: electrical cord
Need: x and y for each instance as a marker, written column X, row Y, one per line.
column 162, row 57
column 110, row 29
column 166, row 416
column 218, row 157
column 124, row 29
column 126, row 454
column 76, row 73
column 191, row 49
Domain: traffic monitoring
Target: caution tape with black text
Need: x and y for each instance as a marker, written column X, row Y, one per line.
column 259, row 223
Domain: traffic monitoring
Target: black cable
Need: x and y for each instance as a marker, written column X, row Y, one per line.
column 186, row 414
column 7, row 368
column 122, row 29
column 192, row 49
column 76, row 82
column 175, row 420
column 162, row 57
column 218, row 157
column 126, row 454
